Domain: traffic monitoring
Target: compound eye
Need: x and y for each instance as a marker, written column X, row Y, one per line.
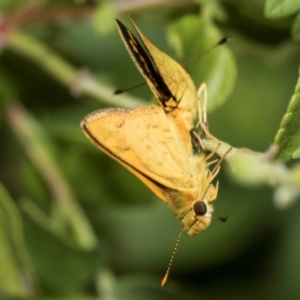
column 200, row 208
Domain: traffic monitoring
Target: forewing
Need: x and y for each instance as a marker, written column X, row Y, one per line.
column 173, row 75
column 147, row 144
column 144, row 65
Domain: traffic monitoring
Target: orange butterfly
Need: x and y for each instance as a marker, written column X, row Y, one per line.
column 154, row 143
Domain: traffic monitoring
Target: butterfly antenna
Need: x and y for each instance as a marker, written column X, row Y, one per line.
column 121, row 91
column 215, row 171
column 165, row 278
column 223, row 41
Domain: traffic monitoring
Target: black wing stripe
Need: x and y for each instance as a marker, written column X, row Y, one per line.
column 145, row 64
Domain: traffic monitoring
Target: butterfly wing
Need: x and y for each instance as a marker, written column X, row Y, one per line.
column 145, row 66
column 168, row 80
column 148, row 144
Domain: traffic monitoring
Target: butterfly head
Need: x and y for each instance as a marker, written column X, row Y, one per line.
column 200, row 214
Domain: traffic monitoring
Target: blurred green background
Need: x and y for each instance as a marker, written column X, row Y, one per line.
column 76, row 225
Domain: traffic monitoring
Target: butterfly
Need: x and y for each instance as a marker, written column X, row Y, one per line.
column 154, row 142
column 157, row 143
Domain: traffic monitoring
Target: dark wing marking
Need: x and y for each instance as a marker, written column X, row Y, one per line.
column 146, row 66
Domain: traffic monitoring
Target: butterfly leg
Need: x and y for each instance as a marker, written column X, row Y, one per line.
column 216, row 168
column 202, row 107
column 197, row 141
column 213, row 193
column 202, row 110
column 202, row 115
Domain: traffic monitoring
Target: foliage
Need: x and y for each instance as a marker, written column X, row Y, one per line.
column 74, row 224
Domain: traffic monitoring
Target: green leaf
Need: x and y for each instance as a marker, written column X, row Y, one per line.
column 15, row 265
column 296, row 28
column 39, row 148
column 191, row 36
column 61, row 267
column 276, row 9
column 288, row 135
